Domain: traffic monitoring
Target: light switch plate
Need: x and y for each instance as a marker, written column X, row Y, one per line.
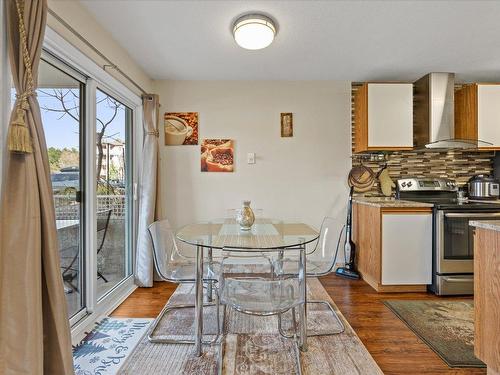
column 251, row 158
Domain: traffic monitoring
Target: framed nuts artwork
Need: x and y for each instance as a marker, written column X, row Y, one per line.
column 181, row 128
column 217, row 155
column 287, row 124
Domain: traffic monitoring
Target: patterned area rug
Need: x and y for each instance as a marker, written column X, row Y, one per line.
column 253, row 345
column 104, row 350
column 447, row 327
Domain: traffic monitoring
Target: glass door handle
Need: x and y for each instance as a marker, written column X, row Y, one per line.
column 79, row 196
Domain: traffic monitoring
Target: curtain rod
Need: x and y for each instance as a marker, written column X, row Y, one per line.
column 99, row 53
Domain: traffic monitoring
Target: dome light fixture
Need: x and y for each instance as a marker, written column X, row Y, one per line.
column 254, row 31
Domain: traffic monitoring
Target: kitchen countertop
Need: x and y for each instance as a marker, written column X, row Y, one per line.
column 486, row 224
column 389, row 202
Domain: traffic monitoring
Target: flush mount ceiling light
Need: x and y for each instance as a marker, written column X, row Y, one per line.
column 254, row 31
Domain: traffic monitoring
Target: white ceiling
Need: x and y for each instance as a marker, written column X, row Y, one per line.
column 317, row 40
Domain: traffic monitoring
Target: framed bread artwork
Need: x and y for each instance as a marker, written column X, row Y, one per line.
column 287, row 124
column 217, row 155
column 181, row 128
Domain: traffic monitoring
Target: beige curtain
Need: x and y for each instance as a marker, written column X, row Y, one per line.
column 147, row 191
column 34, row 327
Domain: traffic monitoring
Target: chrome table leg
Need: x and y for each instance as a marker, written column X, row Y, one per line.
column 303, row 291
column 210, row 283
column 198, row 317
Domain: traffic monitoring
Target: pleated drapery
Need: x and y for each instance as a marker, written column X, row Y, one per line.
column 34, row 328
column 144, row 269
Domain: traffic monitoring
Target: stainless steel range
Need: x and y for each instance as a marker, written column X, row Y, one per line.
column 453, row 255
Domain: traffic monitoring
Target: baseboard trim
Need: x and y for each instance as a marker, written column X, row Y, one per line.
column 411, row 288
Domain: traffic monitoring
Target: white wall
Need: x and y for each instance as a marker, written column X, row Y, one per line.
column 75, row 14
column 302, row 178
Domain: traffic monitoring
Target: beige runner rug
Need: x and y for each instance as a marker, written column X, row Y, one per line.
column 253, row 345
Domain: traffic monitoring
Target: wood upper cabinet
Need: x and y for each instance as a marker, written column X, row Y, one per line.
column 477, row 114
column 383, row 117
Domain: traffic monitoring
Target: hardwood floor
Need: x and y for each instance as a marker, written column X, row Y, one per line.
column 394, row 347
column 145, row 302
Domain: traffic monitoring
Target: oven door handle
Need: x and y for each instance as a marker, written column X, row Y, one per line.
column 457, row 280
column 477, row 215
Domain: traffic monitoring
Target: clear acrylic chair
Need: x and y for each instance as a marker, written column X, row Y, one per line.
column 253, row 289
column 171, row 265
column 321, row 259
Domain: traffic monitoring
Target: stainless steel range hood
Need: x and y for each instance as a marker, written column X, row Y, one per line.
column 434, row 114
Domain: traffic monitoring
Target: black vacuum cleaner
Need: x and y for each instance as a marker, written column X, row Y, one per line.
column 349, row 270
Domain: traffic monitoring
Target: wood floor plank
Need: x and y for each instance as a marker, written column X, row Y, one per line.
column 395, row 348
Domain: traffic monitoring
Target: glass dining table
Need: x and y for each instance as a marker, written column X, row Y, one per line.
column 266, row 235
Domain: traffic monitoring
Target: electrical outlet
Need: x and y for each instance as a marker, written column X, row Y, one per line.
column 251, row 158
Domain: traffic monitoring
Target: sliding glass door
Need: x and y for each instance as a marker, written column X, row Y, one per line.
column 88, row 128
column 113, row 214
column 61, row 93
column 90, row 125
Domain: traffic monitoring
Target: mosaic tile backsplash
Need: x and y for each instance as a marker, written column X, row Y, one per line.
column 456, row 165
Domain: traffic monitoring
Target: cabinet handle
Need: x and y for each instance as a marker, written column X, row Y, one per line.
column 477, row 215
column 457, row 280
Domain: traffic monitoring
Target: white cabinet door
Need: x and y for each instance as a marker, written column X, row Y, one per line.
column 406, row 249
column 390, row 115
column 488, row 114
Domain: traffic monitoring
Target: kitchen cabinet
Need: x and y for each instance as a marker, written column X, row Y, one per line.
column 406, row 248
column 477, row 114
column 394, row 246
column 487, row 294
column 383, row 117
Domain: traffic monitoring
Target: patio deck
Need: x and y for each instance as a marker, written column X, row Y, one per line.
column 111, row 259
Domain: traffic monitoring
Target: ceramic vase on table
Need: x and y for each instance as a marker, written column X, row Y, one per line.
column 245, row 216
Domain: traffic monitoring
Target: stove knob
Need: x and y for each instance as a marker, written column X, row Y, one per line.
column 409, row 184
column 403, row 184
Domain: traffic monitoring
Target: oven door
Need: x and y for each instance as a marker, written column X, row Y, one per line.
column 454, row 242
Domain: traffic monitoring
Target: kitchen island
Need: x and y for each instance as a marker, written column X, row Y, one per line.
column 487, row 293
